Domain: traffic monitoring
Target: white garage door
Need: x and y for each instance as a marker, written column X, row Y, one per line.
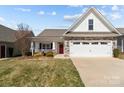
column 90, row 49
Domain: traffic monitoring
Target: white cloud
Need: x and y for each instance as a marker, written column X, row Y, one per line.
column 2, row 19
column 115, row 16
column 74, row 17
column 41, row 12
column 23, row 9
column 71, row 17
column 84, row 9
column 47, row 13
column 52, row 13
column 115, row 8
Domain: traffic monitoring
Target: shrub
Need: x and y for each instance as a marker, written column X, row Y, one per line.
column 37, row 54
column 116, row 52
column 28, row 53
column 50, row 54
column 18, row 55
column 121, row 56
column 43, row 54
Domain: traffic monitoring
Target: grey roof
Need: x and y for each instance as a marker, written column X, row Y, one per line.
column 91, row 34
column 52, row 32
column 47, row 39
column 7, row 34
column 50, row 35
column 121, row 30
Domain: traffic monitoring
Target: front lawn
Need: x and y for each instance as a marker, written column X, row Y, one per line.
column 121, row 56
column 38, row 73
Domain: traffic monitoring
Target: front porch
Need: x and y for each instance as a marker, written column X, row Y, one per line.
column 57, row 47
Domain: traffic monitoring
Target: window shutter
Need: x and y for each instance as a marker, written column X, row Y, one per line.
column 51, row 45
column 40, row 46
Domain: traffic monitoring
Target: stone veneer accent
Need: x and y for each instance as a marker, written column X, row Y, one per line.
column 67, row 39
column 66, row 48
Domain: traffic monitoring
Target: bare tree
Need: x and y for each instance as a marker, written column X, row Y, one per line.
column 23, row 27
column 22, row 34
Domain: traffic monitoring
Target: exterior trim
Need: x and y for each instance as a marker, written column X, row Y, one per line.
column 98, row 14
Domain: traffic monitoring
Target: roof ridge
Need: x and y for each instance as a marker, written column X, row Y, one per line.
column 7, row 27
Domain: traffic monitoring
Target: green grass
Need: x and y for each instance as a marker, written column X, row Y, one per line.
column 37, row 73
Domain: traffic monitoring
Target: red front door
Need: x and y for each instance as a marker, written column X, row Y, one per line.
column 2, row 51
column 61, row 48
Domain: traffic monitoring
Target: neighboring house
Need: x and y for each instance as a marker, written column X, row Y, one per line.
column 92, row 35
column 7, row 42
column 120, row 39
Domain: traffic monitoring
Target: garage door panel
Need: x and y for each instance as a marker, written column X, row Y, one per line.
column 90, row 50
column 100, row 50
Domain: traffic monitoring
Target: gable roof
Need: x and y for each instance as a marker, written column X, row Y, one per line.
column 96, row 13
column 52, row 32
column 7, row 34
column 50, row 35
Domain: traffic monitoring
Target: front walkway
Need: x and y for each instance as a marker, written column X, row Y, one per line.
column 100, row 72
column 61, row 56
column 1, row 59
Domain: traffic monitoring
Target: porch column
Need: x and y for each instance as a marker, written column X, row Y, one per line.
column 32, row 48
column 122, row 45
column 53, row 46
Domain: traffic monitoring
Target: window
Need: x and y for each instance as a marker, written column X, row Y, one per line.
column 95, row 43
column 90, row 24
column 46, row 46
column 76, row 43
column 43, row 46
column 85, row 43
column 104, row 43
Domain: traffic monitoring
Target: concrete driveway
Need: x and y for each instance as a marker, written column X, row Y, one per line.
column 100, row 72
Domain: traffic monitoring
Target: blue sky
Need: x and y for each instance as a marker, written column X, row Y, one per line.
column 54, row 16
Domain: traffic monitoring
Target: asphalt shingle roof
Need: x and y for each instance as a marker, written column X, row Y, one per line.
column 121, row 30
column 52, row 32
column 7, row 34
column 50, row 35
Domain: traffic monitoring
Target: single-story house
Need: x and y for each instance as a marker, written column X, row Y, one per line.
column 8, row 40
column 92, row 35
